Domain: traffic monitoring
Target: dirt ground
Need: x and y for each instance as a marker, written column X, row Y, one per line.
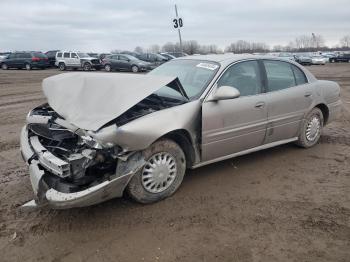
column 281, row 204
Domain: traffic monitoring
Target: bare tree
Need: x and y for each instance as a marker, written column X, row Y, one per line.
column 190, row 47
column 168, row 47
column 138, row 49
column 242, row 46
column 154, row 48
column 345, row 41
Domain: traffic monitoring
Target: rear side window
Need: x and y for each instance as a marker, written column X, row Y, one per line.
column 66, row 55
column 41, row 55
column 300, row 77
column 279, row 75
column 59, row 54
column 244, row 76
column 25, row 55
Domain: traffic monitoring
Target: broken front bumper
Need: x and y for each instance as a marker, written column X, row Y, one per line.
column 41, row 162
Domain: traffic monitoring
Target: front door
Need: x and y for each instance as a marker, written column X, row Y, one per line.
column 123, row 62
column 74, row 60
column 234, row 125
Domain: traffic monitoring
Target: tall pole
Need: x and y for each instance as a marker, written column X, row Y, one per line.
column 178, row 30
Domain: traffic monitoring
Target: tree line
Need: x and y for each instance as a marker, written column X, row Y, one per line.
column 303, row 43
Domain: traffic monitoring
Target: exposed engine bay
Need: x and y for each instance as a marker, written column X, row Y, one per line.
column 88, row 163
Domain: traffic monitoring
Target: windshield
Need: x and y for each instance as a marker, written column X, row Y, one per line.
column 194, row 76
column 83, row 55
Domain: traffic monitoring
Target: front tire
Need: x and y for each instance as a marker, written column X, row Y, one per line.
column 134, row 69
column 4, row 66
column 311, row 129
column 27, row 66
column 87, row 67
column 162, row 174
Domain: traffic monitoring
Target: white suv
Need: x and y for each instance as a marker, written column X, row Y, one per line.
column 75, row 60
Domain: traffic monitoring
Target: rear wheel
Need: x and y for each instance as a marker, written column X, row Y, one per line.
column 62, row 66
column 108, row 68
column 4, row 66
column 162, row 174
column 311, row 129
column 27, row 66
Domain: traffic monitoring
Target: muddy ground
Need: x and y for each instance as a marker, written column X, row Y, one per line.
column 281, row 204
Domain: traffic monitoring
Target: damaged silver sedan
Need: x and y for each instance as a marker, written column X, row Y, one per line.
column 101, row 135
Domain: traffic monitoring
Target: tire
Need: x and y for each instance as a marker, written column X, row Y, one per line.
column 140, row 186
column 27, row 66
column 4, row 66
column 311, row 129
column 86, row 67
column 62, row 66
column 134, row 69
column 108, row 68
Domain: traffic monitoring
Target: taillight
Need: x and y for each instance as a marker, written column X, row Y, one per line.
column 35, row 59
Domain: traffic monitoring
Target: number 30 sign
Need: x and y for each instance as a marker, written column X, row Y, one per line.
column 177, row 22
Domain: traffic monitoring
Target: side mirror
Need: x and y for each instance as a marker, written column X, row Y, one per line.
column 224, row 93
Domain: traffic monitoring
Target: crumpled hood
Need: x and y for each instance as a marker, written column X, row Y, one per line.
column 90, row 100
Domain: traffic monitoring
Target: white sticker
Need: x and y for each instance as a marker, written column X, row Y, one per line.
column 207, row 66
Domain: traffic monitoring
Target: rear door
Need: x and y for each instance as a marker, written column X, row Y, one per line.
column 289, row 97
column 113, row 61
column 66, row 58
column 234, row 125
column 21, row 59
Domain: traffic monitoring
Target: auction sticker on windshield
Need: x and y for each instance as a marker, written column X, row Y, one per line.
column 207, row 66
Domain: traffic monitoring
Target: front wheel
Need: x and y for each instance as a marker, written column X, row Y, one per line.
column 4, row 66
column 162, row 174
column 310, row 131
column 87, row 67
column 28, row 66
column 134, row 69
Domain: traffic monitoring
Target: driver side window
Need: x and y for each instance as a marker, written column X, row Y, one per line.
column 245, row 76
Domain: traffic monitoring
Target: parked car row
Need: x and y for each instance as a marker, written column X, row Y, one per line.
column 126, row 60
column 316, row 59
column 27, row 60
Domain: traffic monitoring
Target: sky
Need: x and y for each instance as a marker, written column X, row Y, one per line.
column 105, row 25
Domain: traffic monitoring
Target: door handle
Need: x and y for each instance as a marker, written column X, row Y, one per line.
column 260, row 105
column 308, row 94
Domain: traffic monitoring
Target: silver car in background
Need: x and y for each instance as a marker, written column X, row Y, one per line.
column 319, row 60
column 101, row 135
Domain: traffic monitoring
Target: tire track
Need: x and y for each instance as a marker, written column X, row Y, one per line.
column 338, row 140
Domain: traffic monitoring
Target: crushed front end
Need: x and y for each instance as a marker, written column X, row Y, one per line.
column 67, row 167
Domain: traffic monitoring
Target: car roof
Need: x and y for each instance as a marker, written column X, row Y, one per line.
column 225, row 59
